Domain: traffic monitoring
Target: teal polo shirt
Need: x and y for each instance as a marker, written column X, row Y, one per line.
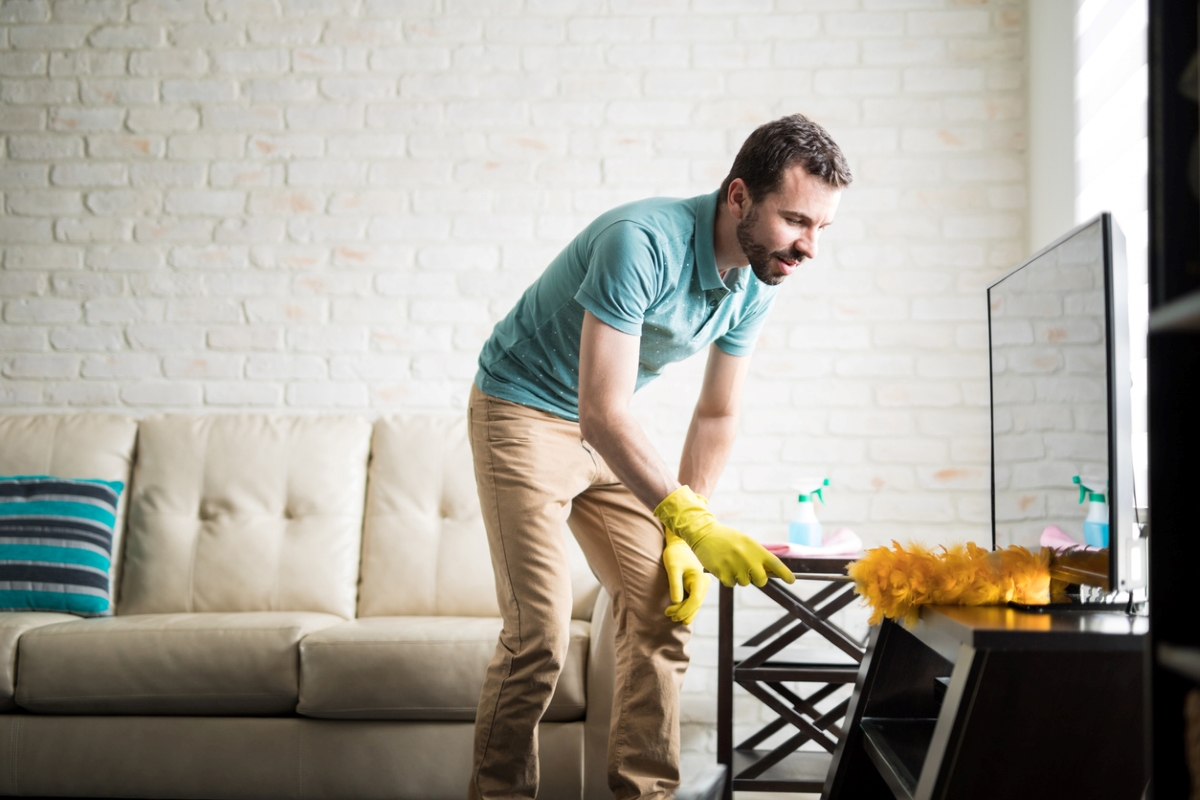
column 647, row 269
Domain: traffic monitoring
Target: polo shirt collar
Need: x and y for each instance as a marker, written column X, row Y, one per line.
column 741, row 277
column 706, row 257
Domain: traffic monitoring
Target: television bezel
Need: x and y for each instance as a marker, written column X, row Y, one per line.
column 1127, row 562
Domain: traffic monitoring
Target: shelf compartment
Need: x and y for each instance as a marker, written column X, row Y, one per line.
column 1181, row 660
column 1181, row 314
column 801, row 771
column 898, row 748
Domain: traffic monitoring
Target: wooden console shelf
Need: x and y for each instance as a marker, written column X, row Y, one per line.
column 996, row 703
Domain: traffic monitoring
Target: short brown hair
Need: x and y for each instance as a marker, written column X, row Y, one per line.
column 772, row 148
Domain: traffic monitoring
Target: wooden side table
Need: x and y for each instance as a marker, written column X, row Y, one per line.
column 762, row 668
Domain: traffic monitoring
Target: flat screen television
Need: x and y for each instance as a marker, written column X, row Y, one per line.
column 1062, row 463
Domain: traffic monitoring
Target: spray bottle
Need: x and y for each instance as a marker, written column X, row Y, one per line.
column 1095, row 526
column 805, row 529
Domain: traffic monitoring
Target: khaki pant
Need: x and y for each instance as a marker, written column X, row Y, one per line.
column 535, row 471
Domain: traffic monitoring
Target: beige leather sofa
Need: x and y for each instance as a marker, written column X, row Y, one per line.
column 305, row 609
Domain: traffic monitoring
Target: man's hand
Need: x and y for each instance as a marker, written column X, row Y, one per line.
column 685, row 574
column 729, row 554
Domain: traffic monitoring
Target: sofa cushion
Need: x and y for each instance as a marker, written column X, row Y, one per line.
column 56, row 537
column 425, row 550
column 246, row 513
column 89, row 445
column 12, row 626
column 244, row 663
column 418, row 668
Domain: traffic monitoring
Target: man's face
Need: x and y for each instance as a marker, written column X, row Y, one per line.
column 780, row 231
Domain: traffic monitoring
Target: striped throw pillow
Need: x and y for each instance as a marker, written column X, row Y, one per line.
column 56, row 540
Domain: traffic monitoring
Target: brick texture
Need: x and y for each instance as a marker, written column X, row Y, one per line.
column 241, row 204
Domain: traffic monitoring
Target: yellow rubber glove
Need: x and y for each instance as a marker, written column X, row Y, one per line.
column 727, row 553
column 686, row 575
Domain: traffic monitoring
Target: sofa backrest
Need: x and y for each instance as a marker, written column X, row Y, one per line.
column 246, row 513
column 73, row 446
column 425, row 551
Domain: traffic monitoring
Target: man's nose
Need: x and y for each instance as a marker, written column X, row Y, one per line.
column 807, row 244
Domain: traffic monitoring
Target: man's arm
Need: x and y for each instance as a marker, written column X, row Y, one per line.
column 608, row 367
column 608, row 362
column 714, row 425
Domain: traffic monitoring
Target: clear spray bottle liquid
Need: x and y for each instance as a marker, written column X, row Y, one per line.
column 1095, row 525
column 805, row 528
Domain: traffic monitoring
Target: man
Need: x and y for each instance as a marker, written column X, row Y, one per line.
column 553, row 439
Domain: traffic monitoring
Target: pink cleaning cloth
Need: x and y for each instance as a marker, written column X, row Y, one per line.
column 1057, row 539
column 842, row 542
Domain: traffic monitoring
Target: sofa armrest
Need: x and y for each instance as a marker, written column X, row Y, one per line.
column 600, row 673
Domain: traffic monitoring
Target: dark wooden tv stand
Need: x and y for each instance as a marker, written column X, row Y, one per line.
column 996, row 703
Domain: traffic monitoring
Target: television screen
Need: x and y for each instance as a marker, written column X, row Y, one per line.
column 1062, row 469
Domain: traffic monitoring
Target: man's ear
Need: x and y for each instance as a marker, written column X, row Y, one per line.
column 737, row 198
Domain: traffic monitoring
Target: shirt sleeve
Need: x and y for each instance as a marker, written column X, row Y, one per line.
column 623, row 277
column 739, row 340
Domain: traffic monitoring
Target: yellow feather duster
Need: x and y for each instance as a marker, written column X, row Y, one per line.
column 896, row 582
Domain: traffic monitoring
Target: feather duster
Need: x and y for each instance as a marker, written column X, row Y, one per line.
column 897, row 581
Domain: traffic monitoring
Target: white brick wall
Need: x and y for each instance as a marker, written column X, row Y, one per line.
column 325, row 204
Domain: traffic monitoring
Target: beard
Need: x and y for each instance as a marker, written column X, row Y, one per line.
column 758, row 254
